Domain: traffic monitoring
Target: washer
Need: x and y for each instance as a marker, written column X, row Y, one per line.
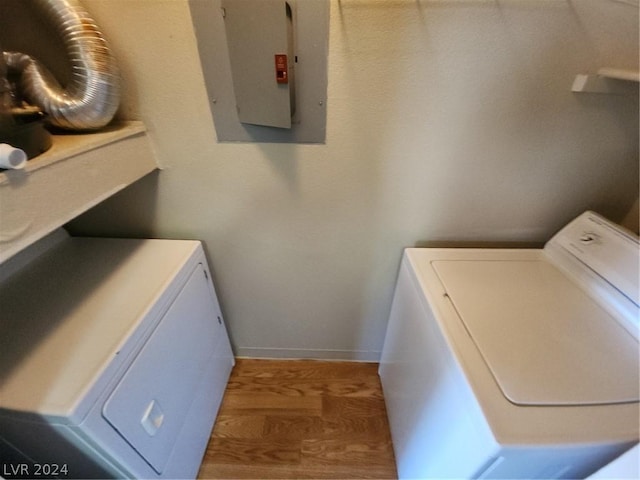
column 505, row 363
column 114, row 360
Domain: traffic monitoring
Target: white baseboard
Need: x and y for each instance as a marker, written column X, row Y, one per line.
column 315, row 354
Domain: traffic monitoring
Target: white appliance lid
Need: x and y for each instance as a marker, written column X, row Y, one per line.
column 87, row 297
column 545, row 341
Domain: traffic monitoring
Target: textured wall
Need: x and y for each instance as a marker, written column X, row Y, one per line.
column 447, row 120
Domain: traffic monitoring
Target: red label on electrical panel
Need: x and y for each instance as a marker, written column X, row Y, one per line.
column 281, row 69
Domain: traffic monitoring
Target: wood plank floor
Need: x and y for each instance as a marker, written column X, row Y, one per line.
column 294, row 419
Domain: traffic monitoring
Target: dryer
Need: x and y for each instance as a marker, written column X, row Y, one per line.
column 114, row 359
column 506, row 363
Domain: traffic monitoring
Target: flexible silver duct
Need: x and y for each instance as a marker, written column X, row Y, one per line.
column 91, row 98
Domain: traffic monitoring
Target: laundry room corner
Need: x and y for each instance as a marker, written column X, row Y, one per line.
column 445, row 120
column 314, row 236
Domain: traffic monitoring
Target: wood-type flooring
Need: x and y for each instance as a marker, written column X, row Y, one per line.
column 295, row 419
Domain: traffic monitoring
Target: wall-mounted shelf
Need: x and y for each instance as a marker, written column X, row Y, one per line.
column 76, row 173
column 614, row 81
column 620, row 74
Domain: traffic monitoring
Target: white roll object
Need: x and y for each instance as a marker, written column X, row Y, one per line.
column 11, row 157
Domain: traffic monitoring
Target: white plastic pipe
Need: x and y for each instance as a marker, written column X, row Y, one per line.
column 11, row 157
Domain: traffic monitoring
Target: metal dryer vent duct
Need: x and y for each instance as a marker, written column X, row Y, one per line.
column 91, row 98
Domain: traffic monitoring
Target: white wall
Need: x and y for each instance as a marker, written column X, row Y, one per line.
column 447, row 120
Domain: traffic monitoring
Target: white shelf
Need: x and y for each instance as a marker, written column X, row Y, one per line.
column 76, row 173
column 614, row 81
column 620, row 74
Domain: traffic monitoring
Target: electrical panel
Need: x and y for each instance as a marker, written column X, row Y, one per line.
column 265, row 68
column 260, row 43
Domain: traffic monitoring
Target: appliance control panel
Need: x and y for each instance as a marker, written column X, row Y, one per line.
column 606, row 248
